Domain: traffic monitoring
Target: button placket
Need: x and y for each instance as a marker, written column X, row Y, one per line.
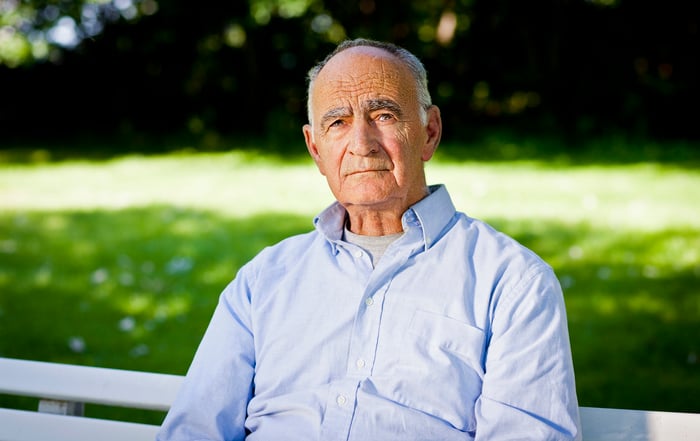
column 366, row 333
column 339, row 410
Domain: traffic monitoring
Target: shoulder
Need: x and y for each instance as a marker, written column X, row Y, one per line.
column 270, row 264
column 485, row 238
column 493, row 251
column 284, row 253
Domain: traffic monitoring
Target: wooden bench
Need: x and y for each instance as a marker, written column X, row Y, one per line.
column 63, row 390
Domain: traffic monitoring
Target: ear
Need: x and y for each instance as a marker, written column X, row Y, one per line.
column 434, row 131
column 311, row 145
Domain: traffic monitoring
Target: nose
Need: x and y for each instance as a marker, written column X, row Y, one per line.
column 364, row 140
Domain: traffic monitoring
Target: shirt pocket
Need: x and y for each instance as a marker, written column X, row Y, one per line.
column 441, row 372
column 439, row 332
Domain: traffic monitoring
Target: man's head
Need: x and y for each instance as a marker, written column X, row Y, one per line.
column 411, row 61
column 372, row 125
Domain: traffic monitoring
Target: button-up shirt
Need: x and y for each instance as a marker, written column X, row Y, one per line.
column 458, row 333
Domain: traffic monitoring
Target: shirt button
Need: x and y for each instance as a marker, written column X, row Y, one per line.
column 358, row 254
column 360, row 363
column 341, row 400
column 369, row 301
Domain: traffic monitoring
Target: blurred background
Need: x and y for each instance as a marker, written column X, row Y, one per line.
column 212, row 69
column 149, row 148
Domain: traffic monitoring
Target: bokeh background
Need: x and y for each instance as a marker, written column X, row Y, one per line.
column 150, row 148
column 125, row 67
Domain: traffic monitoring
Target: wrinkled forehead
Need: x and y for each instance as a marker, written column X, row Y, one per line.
column 360, row 74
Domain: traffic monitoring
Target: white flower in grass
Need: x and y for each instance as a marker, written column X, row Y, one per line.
column 99, row 276
column 576, row 252
column 127, row 324
column 179, row 265
column 139, row 350
column 77, row 344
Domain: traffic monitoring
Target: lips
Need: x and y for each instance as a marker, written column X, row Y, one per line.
column 373, row 170
column 366, row 166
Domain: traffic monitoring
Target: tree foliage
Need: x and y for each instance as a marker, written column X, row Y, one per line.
column 215, row 68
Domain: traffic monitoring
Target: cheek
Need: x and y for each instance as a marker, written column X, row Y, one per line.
column 403, row 138
column 403, row 150
column 329, row 165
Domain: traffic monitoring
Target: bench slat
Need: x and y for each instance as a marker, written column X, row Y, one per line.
column 601, row 424
column 116, row 387
column 155, row 391
column 22, row 425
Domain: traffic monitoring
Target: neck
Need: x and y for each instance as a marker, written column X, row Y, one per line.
column 379, row 220
column 374, row 223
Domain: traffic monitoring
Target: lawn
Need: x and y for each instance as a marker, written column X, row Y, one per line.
column 118, row 262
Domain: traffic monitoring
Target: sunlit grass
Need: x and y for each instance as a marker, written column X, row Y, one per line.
column 119, row 262
column 235, row 183
column 639, row 197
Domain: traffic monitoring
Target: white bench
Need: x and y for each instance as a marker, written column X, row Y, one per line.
column 64, row 389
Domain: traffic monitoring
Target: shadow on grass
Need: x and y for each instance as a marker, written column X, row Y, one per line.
column 96, row 149
column 135, row 289
column 489, row 145
column 610, row 149
column 130, row 289
column 633, row 301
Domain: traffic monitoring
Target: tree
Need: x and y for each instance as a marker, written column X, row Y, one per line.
column 37, row 30
column 216, row 68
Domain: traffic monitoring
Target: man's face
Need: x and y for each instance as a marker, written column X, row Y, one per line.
column 367, row 138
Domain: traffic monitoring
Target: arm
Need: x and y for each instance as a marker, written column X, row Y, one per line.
column 529, row 390
column 212, row 402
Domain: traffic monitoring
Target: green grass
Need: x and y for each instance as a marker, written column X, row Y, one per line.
column 118, row 262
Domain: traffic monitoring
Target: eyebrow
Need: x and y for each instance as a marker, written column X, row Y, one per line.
column 384, row 104
column 333, row 114
column 370, row 105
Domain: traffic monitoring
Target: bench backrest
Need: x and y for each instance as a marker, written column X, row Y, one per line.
column 63, row 388
column 605, row 424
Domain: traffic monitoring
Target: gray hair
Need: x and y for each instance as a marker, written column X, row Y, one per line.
column 414, row 65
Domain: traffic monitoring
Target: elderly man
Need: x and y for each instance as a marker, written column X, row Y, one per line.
column 397, row 317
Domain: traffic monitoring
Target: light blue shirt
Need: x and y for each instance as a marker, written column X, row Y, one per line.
column 459, row 333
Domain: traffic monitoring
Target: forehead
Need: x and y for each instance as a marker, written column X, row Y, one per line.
column 359, row 74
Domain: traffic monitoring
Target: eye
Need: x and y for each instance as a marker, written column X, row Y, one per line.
column 383, row 117
column 334, row 125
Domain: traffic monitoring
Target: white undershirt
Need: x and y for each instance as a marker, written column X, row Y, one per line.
column 374, row 245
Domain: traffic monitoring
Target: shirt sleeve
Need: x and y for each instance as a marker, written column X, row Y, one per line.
column 212, row 402
column 529, row 389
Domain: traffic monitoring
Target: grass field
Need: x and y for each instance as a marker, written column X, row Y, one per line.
column 118, row 262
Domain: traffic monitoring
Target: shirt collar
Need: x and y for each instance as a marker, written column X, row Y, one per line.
column 431, row 214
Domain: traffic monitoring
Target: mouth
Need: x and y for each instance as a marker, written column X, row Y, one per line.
column 359, row 172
